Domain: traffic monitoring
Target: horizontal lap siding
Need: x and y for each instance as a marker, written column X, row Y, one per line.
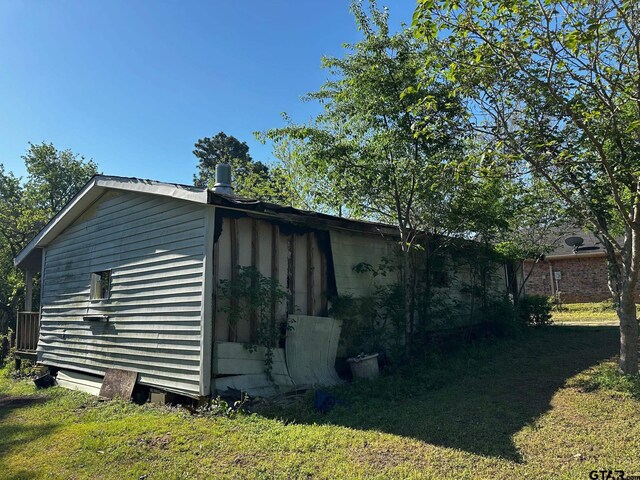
column 154, row 247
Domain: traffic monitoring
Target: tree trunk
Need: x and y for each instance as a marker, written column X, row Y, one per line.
column 623, row 277
column 406, row 275
column 628, row 332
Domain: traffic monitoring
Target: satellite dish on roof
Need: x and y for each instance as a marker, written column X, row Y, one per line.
column 574, row 242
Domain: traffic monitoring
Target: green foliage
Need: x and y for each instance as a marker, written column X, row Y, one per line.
column 223, row 148
column 551, row 90
column 607, row 378
column 253, row 294
column 250, row 178
column 5, row 341
column 372, row 324
column 535, row 310
column 362, row 149
column 53, row 178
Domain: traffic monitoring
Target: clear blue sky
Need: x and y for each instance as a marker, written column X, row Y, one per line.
column 133, row 84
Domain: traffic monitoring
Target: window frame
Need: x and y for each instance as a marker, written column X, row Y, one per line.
column 96, row 286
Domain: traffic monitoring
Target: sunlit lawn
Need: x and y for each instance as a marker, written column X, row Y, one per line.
column 503, row 409
column 586, row 313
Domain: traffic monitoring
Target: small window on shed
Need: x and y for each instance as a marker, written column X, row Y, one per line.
column 100, row 285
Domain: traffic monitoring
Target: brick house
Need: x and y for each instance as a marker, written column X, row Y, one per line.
column 576, row 274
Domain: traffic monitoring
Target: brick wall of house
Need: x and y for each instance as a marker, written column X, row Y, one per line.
column 583, row 279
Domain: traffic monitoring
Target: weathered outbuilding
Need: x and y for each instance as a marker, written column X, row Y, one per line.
column 130, row 274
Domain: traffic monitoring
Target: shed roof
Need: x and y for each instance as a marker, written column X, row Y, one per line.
column 30, row 256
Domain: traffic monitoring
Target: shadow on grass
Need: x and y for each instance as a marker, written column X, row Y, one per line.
column 14, row 434
column 8, row 403
column 474, row 399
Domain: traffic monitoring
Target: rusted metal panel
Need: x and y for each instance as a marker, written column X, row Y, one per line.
column 118, row 383
column 233, row 230
column 255, row 250
column 291, row 273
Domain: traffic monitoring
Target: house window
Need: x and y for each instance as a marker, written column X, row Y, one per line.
column 100, row 285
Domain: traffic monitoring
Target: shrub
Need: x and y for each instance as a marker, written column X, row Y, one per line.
column 534, row 310
column 255, row 294
column 605, row 377
column 372, row 324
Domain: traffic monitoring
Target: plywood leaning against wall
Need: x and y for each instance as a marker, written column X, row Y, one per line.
column 294, row 258
column 151, row 322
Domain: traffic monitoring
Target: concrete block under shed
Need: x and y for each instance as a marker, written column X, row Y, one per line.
column 164, row 398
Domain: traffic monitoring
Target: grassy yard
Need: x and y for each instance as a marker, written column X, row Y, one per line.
column 587, row 314
column 507, row 409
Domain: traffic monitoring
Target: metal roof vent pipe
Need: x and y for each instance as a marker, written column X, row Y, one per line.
column 223, row 179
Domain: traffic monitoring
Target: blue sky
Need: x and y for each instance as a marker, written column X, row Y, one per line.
column 133, row 84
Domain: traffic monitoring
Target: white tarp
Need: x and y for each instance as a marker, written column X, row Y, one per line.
column 311, row 350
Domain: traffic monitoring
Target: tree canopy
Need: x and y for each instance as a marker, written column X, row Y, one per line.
column 223, row 148
column 362, row 153
column 53, row 178
column 553, row 87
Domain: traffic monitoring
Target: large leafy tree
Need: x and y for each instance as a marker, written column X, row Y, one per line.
column 553, row 85
column 248, row 174
column 371, row 155
column 362, row 151
column 53, row 178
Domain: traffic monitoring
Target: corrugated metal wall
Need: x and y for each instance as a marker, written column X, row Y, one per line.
column 155, row 248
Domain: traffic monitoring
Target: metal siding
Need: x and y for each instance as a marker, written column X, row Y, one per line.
column 155, row 249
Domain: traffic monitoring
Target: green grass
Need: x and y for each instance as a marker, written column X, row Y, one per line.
column 520, row 408
column 586, row 313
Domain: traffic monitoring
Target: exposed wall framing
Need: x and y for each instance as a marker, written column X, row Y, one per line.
column 293, row 255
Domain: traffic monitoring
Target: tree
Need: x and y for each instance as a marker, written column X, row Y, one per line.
column 248, row 174
column 554, row 86
column 364, row 150
column 53, row 178
column 363, row 146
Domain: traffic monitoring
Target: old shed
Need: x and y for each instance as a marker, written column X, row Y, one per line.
column 130, row 276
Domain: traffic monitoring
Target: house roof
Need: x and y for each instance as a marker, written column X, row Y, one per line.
column 30, row 256
column 557, row 239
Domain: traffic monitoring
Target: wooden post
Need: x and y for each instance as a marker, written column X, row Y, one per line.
column 274, row 268
column 310, row 297
column 291, row 273
column 233, row 230
column 28, row 292
column 253, row 315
